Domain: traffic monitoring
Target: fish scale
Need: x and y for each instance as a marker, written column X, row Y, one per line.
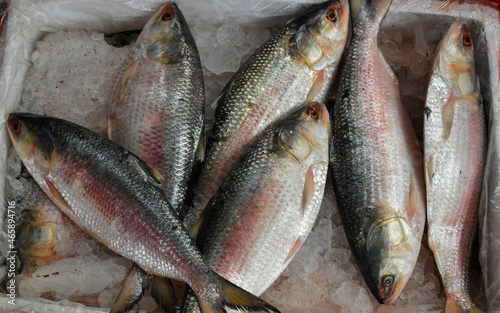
column 455, row 146
column 376, row 161
column 267, row 205
column 279, row 77
column 157, row 106
column 116, row 197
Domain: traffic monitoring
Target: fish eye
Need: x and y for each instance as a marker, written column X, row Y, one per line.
column 16, row 126
column 312, row 113
column 466, row 40
column 388, row 280
column 332, row 16
column 167, row 16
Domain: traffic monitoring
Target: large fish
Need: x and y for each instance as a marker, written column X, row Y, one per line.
column 294, row 67
column 116, row 197
column 454, row 154
column 376, row 162
column 157, row 109
column 266, row 207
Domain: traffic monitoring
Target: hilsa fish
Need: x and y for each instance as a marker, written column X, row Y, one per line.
column 42, row 229
column 376, row 162
column 157, row 107
column 117, row 198
column 263, row 212
column 454, row 153
column 294, row 67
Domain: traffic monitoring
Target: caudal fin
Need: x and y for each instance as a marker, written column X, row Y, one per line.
column 453, row 307
column 375, row 10
column 235, row 298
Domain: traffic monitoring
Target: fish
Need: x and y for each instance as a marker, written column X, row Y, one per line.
column 157, row 107
column 43, row 231
column 266, row 207
column 117, row 198
column 294, row 67
column 375, row 160
column 454, row 156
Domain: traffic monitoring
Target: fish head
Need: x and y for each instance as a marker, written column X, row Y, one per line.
column 322, row 34
column 306, row 135
column 164, row 36
column 33, row 142
column 391, row 253
column 455, row 61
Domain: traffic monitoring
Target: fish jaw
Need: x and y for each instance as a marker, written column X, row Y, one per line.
column 33, row 144
column 308, row 141
column 455, row 61
column 390, row 256
column 321, row 43
column 159, row 39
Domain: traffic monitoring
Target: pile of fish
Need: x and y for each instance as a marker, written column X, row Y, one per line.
column 264, row 165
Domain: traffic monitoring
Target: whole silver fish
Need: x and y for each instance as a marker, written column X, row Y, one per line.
column 294, row 67
column 266, row 207
column 157, row 109
column 116, row 197
column 455, row 147
column 376, row 162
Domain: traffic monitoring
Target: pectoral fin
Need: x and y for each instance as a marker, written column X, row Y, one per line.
column 308, row 193
column 128, row 73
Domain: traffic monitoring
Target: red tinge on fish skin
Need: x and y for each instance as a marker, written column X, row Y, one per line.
column 263, row 212
column 157, row 108
column 117, row 198
column 376, row 162
column 294, row 67
column 455, row 147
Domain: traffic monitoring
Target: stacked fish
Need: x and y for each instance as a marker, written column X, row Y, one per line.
column 264, row 169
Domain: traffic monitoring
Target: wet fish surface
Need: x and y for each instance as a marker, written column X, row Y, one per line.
column 117, row 198
column 294, row 67
column 454, row 154
column 376, row 162
column 157, row 109
column 262, row 213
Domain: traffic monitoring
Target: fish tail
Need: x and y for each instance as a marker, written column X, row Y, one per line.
column 233, row 297
column 136, row 282
column 374, row 9
column 452, row 306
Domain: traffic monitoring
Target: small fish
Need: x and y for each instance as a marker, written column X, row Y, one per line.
column 262, row 213
column 157, row 109
column 376, row 162
column 117, row 198
column 294, row 67
column 455, row 147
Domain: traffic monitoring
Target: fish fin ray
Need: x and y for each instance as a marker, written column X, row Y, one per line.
column 233, row 297
column 447, row 113
column 132, row 291
column 55, row 196
column 163, row 293
column 221, row 96
column 129, row 72
column 317, row 86
column 200, row 152
column 308, row 193
column 294, row 250
column 153, row 176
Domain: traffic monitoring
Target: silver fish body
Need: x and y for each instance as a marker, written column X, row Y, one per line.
column 294, row 67
column 455, row 147
column 116, row 197
column 266, row 207
column 158, row 105
column 376, row 162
